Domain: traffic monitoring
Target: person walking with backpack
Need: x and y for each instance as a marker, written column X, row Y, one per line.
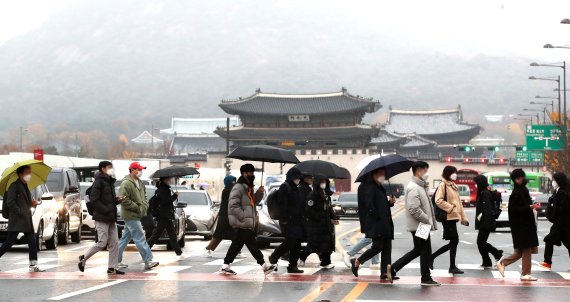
column 523, row 227
column 557, row 212
column 103, row 207
column 320, row 222
column 242, row 215
column 419, row 209
column 18, row 200
column 133, row 208
column 223, row 229
column 164, row 199
column 291, row 206
column 447, row 199
column 486, row 213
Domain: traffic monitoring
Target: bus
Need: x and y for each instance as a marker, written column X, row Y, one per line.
column 465, row 177
column 538, row 182
column 500, row 181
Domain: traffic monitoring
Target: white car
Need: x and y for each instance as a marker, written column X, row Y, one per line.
column 44, row 218
column 88, row 227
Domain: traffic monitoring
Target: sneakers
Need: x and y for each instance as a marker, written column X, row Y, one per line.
column 501, row 268
column 35, row 269
column 528, row 278
column 353, row 267
column 301, row 263
column 207, row 253
column 545, row 265
column 81, row 263
column 121, row 265
column 226, row 270
column 150, row 265
column 430, row 282
column 328, row 266
column 113, row 271
column 346, row 259
column 269, row 268
column 294, row 270
column 456, row 271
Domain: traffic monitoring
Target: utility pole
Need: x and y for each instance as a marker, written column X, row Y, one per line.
column 21, row 139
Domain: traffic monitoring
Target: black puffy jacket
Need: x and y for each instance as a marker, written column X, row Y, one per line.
column 103, row 198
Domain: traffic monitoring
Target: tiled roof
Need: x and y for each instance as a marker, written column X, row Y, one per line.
column 197, row 145
column 416, row 141
column 145, row 138
column 296, row 133
column 427, row 122
column 385, row 137
column 187, row 126
column 300, row 104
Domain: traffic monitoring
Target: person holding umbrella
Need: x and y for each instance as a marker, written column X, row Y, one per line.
column 19, row 201
column 242, row 215
column 223, row 228
column 165, row 217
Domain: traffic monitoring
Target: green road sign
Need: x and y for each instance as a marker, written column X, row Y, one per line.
column 544, row 137
column 529, row 156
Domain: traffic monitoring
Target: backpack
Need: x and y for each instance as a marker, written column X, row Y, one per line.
column 497, row 201
column 440, row 215
column 153, row 208
column 88, row 203
column 273, row 203
column 5, row 209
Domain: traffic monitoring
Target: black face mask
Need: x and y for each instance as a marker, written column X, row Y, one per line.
column 250, row 178
column 524, row 182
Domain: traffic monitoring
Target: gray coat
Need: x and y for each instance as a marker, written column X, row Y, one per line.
column 19, row 202
column 419, row 207
column 241, row 213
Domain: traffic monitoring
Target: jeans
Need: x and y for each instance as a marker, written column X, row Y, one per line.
column 362, row 243
column 134, row 230
column 422, row 248
column 108, row 236
column 168, row 225
column 382, row 246
column 485, row 248
column 244, row 237
column 32, row 247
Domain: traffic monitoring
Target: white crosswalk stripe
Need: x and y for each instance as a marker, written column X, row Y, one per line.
column 167, row 269
column 26, row 269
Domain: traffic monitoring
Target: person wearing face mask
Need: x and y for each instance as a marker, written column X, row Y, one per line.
column 19, row 201
column 242, row 215
column 102, row 198
column 523, row 227
column 291, row 206
column 223, row 229
column 320, row 222
column 134, row 207
column 165, row 218
column 557, row 212
column 485, row 220
column 447, row 198
column 375, row 220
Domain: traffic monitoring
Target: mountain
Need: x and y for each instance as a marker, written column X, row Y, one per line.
column 120, row 66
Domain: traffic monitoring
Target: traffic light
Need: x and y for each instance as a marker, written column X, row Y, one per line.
column 465, row 148
column 521, row 148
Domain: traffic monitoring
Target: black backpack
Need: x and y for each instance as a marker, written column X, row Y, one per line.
column 440, row 215
column 497, row 201
column 273, row 203
column 153, row 208
column 88, row 203
column 5, row 209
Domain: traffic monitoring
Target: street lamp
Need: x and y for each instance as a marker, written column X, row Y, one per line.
column 527, row 115
column 545, row 103
column 557, row 80
column 563, row 66
column 537, row 112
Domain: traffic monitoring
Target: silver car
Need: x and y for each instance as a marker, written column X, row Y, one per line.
column 201, row 212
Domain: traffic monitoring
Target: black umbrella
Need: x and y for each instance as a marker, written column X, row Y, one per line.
column 174, row 171
column 328, row 169
column 393, row 164
column 264, row 153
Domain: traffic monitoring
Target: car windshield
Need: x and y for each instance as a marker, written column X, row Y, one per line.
column 347, row 198
column 55, row 182
column 193, row 198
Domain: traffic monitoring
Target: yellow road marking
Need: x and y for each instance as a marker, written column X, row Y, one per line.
column 316, row 292
column 355, row 292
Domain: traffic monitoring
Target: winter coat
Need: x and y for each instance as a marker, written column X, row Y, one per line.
column 165, row 200
column 452, row 198
column 135, row 204
column 318, row 216
column 19, row 201
column 223, row 228
column 305, row 190
column 521, row 218
column 291, row 206
column 485, row 206
column 103, row 198
column 559, row 215
column 242, row 211
column 418, row 205
column 374, row 210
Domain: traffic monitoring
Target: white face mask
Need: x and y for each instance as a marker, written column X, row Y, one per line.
column 555, row 185
column 27, row 177
column 425, row 177
column 453, row 176
column 139, row 174
column 323, row 185
column 110, row 172
column 381, row 179
column 297, row 181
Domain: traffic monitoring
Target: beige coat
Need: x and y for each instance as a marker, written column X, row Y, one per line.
column 453, row 205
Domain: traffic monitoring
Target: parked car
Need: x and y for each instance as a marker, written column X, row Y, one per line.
column 201, row 212
column 88, row 226
column 465, row 195
column 45, row 218
column 179, row 221
column 542, row 199
column 346, row 205
column 269, row 230
column 63, row 183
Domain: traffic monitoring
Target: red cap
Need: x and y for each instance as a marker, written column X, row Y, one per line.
column 136, row 165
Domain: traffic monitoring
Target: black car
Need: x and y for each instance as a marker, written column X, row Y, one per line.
column 346, row 205
column 63, row 183
column 542, row 199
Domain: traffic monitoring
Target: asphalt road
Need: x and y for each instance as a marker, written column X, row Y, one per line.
column 195, row 277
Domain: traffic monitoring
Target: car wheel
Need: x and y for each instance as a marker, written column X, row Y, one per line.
column 51, row 244
column 76, row 237
column 40, row 236
column 63, row 235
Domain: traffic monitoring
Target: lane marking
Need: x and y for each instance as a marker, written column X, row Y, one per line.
column 76, row 248
column 26, row 269
column 167, row 270
column 40, row 261
column 220, row 262
column 358, row 289
column 317, row 292
column 466, row 242
column 84, row 291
